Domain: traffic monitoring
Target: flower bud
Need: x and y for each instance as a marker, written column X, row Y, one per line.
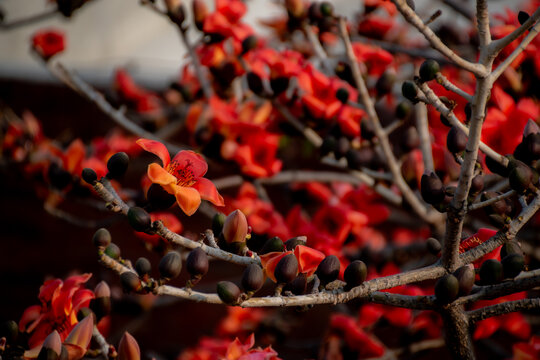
column 328, row 145
column 286, row 269
column 197, row 262
column 385, row 83
column 342, row 95
column 429, row 70
column 272, row 245
column 456, row 140
column 170, row 265
column 249, row 43
column 279, row 84
column 139, row 219
column 200, row 12
column 512, row 265
column 357, row 159
column 89, row 176
column 143, row 266
column 117, row 165
column 433, row 246
column 102, row 238
column 228, row 292
column 355, row 274
column 217, row 223
column 113, row 251
column 432, row 189
column 328, row 269
column 295, row 8
column 465, row 276
column 158, row 198
column 130, row 282
column 294, row 242
column 446, row 289
column 496, row 168
column 51, row 348
column 403, row 110
column 9, row 330
column 176, row 12
column 252, row 278
column 128, row 349
column 491, row 272
column 58, row 177
column 477, row 185
column 522, row 178
column 410, row 91
column 510, row 247
column 326, row 8
column 298, row 286
column 342, row 147
column 410, row 139
column 523, row 17
column 255, row 83
column 235, row 227
column 79, row 338
column 101, row 304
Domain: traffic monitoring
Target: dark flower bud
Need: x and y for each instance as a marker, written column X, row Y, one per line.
column 496, row 168
column 139, row 219
column 255, row 83
column 410, row 139
column 326, row 8
column 342, row 95
column 403, row 110
column 433, row 246
column 286, row 269
column 532, row 143
column 509, row 248
column 228, row 292
column 522, row 178
column 102, row 238
column 117, row 165
column 357, row 159
column 143, row 266
column 176, row 12
column 89, row 176
column 385, row 83
column 249, row 43
column 328, row 145
column 298, row 286
column 456, row 141
column 68, row 7
column 197, row 262
column 217, row 223
column 294, row 242
column 200, row 11
column 355, row 274
column 252, row 278
column 477, row 185
column 465, row 276
column 512, row 265
column 429, row 70
column 51, row 348
column 410, row 91
column 342, row 146
column 491, row 272
column 279, row 84
column 101, row 304
column 468, row 111
column 10, row 330
column 432, row 189
column 500, row 207
column 523, row 17
column 272, row 245
column 235, row 227
column 158, row 198
column 447, row 289
column 113, row 251
column 130, row 282
column 58, row 177
column 170, row 265
column 343, row 70
column 328, row 269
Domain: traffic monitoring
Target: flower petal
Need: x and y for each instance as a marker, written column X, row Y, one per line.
column 308, row 259
column 208, row 191
column 197, row 164
column 156, row 148
column 188, row 199
column 159, row 175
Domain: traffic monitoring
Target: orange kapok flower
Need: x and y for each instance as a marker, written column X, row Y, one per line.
column 182, row 176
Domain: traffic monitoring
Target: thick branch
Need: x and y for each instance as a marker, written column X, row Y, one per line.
column 409, row 15
column 456, row 332
column 503, row 308
column 482, row 20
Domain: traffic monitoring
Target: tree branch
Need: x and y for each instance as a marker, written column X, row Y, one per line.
column 503, row 308
column 411, row 17
column 488, row 202
column 422, row 126
column 447, row 84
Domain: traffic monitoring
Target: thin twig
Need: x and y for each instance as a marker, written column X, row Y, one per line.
column 447, row 84
column 100, row 340
column 461, row 8
column 422, row 126
column 503, row 308
column 435, row 41
column 488, row 202
column 308, row 133
column 391, row 161
column 32, row 19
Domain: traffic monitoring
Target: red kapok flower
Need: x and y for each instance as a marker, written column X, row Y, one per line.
column 182, row 177
column 48, row 43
